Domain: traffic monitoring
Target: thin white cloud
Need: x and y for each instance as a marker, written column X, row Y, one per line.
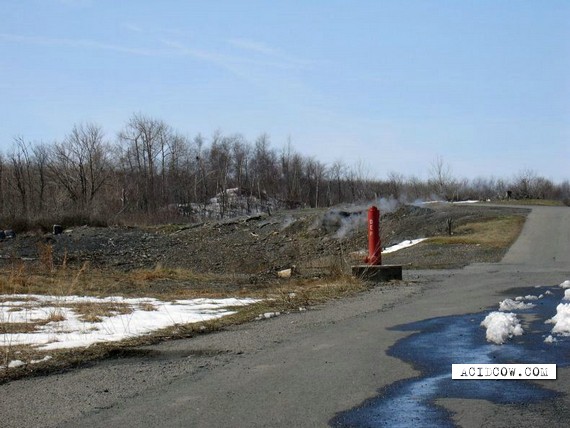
column 249, row 68
column 250, row 45
column 230, row 61
column 174, row 48
column 133, row 27
column 76, row 3
column 89, row 44
column 178, row 48
column 260, row 48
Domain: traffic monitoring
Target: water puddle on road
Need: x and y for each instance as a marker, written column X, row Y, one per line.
column 440, row 342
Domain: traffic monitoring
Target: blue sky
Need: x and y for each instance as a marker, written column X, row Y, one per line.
column 389, row 84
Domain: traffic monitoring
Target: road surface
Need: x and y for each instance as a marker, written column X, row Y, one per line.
column 305, row 369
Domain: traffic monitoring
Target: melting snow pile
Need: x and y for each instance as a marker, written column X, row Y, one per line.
column 513, row 305
column 561, row 320
column 529, row 297
column 501, row 326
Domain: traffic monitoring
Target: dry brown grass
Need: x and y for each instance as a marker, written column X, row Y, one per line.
column 36, row 279
column 293, row 295
column 45, row 252
column 17, row 352
column 95, row 311
column 498, row 232
column 47, row 278
column 19, row 327
column 539, row 202
column 175, row 274
column 56, row 315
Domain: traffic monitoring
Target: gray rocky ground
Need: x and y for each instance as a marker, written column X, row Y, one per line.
column 260, row 245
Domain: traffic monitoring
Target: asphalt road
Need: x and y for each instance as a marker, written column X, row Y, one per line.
column 305, row 369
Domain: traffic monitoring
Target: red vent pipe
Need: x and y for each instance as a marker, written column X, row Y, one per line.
column 374, row 244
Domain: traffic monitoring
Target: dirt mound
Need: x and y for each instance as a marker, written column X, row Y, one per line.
column 311, row 241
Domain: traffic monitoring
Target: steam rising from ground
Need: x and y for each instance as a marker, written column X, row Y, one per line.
column 346, row 220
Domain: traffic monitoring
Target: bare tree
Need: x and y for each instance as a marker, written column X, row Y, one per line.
column 220, row 161
column 201, row 182
column 441, row 179
column 315, row 175
column 292, row 165
column 395, row 184
column 337, row 173
column 240, row 152
column 265, row 170
column 176, row 181
column 144, row 143
column 41, row 155
column 524, row 184
column 358, row 178
column 21, row 162
column 81, row 164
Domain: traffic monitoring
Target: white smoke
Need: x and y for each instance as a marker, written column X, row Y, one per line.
column 288, row 221
column 353, row 217
column 348, row 224
column 388, row 205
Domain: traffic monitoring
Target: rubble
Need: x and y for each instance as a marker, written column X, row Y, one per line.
column 257, row 248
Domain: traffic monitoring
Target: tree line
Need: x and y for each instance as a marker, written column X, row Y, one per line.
column 149, row 173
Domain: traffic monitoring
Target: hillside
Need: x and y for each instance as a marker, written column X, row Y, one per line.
column 314, row 242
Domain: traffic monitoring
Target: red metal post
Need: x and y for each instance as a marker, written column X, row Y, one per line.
column 374, row 244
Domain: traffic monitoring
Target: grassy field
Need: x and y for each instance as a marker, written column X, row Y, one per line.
column 498, row 232
column 538, row 202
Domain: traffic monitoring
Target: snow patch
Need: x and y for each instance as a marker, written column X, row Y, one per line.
column 565, row 284
column 16, row 363
column 512, row 305
column 402, row 245
column 268, row 315
column 501, row 326
column 147, row 315
column 561, row 320
column 549, row 339
column 44, row 359
column 529, row 297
